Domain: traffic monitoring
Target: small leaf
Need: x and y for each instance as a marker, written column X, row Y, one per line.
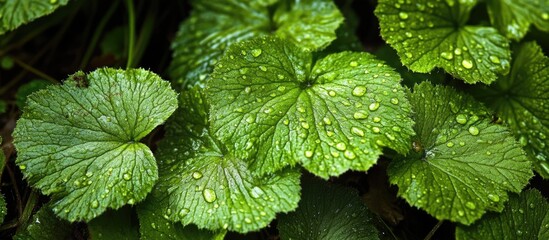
column 328, row 212
column 331, row 117
column 513, row 17
column 79, row 142
column 26, row 89
column 214, row 25
column 526, row 216
column 153, row 224
column 521, row 99
column 462, row 165
column 45, row 225
column 14, row 13
column 117, row 225
column 428, row 34
column 204, row 184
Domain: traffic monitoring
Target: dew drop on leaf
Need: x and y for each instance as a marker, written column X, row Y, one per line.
column 197, row 175
column 341, row 146
column 127, row 176
column 373, row 106
column 403, row 15
column 470, row 205
column 349, row 155
column 209, row 195
column 473, row 130
column 447, row 55
column 359, row 91
column 493, row 197
column 461, row 119
column 494, row 59
column 308, row 154
column 466, row 63
column 94, row 204
column 360, row 115
column 256, row 52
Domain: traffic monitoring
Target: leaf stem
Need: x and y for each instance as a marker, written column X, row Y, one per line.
column 27, row 212
column 131, row 23
column 35, row 71
column 432, row 232
column 97, row 34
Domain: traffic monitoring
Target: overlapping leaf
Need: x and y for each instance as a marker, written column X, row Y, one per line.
column 328, row 212
column 462, row 164
column 204, row 184
column 513, row 17
column 521, row 99
column 14, row 13
column 45, row 225
column 114, row 225
column 214, row 25
column 526, row 216
column 79, row 142
column 428, row 34
column 270, row 104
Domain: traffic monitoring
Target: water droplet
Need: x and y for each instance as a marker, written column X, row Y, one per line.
column 53, row 1
column 461, row 213
column 473, row 130
column 301, row 110
column 305, row 125
column 394, row 101
column 353, row 64
column 457, row 51
column 450, row 144
column 545, row 16
column 308, row 153
column 488, row 153
column 256, row 52
column 494, row 59
column 94, row 204
column 519, row 233
column 250, row 119
column 377, row 119
column 376, row 129
column 447, row 55
column 357, row 131
column 349, row 155
column 341, row 146
column 461, row 118
column 360, row 115
column 493, row 197
column 332, row 93
column 373, row 106
column 23, row 167
column 470, row 205
column 256, row 192
column 403, row 15
column 263, row 68
column 209, row 195
column 408, row 54
column 184, row 212
column 327, row 121
column 280, row 76
column 466, row 63
column 127, row 176
column 153, row 225
column 359, row 91
column 197, row 175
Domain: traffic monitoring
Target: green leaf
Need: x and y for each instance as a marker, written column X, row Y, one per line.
column 153, row 225
column 331, row 117
column 428, row 34
column 521, row 99
column 3, row 106
column 26, row 89
column 45, row 225
column 328, row 212
column 526, row 216
column 462, row 164
column 202, row 183
column 14, row 13
column 513, row 17
column 79, row 142
column 116, row 225
column 214, row 25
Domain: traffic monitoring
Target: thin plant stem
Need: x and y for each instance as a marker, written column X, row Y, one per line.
column 27, row 212
column 35, row 71
column 432, row 232
column 131, row 42
column 97, row 34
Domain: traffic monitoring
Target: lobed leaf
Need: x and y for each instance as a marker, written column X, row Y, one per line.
column 79, row 142
column 272, row 106
column 513, row 17
column 462, row 164
column 14, row 13
column 526, row 216
column 428, row 34
column 328, row 212
column 204, row 184
column 521, row 99
column 215, row 25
